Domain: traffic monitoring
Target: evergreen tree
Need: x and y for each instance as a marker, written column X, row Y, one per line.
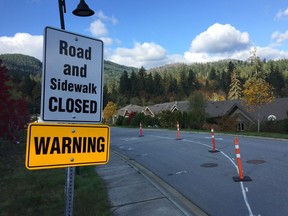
column 149, row 88
column 193, row 83
column 275, row 78
column 235, row 91
column 183, row 84
column 124, row 84
column 212, row 74
column 158, row 85
column 105, row 95
column 141, row 80
column 173, row 86
column 257, row 71
column 134, row 86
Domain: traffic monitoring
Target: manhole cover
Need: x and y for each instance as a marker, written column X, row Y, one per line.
column 208, row 165
column 255, row 161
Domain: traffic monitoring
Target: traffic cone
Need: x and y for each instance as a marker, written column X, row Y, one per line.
column 241, row 176
column 178, row 131
column 213, row 142
column 140, row 131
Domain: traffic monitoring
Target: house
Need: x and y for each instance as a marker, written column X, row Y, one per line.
column 276, row 110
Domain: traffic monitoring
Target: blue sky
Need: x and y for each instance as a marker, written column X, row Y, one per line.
column 153, row 33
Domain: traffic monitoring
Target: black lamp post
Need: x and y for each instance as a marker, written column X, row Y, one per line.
column 82, row 10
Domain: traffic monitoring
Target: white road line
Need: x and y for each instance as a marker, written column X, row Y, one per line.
column 231, row 160
column 242, row 186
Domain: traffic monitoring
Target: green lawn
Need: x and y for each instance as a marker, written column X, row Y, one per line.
column 41, row 192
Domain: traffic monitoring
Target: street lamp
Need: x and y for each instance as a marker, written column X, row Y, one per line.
column 82, row 10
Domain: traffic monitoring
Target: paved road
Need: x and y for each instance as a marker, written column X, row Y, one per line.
column 207, row 178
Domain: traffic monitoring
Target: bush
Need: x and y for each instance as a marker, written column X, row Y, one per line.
column 228, row 123
column 125, row 122
column 119, row 120
column 280, row 126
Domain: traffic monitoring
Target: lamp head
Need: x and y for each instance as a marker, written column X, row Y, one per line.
column 83, row 9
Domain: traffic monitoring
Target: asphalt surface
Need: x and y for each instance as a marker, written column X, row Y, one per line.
column 135, row 191
column 186, row 165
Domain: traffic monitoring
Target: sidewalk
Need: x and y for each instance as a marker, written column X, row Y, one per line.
column 131, row 192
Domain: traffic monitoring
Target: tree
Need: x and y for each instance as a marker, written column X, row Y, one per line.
column 212, row 74
column 109, row 111
column 158, row 85
column 150, row 85
column 36, row 98
column 225, row 80
column 13, row 112
column 124, row 84
column 141, row 80
column 235, row 91
column 192, row 81
column 4, row 98
column 183, row 84
column 133, row 84
column 257, row 92
column 257, row 66
column 275, row 78
column 197, row 104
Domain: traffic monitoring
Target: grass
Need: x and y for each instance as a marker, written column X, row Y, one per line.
column 264, row 134
column 41, row 192
column 245, row 133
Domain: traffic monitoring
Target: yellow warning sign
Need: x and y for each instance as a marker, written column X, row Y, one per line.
column 64, row 145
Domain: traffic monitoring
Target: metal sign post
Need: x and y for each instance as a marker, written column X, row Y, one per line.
column 72, row 91
column 69, row 191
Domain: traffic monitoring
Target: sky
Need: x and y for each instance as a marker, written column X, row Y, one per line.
column 153, row 33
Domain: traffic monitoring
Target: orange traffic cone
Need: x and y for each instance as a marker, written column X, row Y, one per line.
column 241, row 176
column 213, row 142
column 178, row 131
column 140, row 131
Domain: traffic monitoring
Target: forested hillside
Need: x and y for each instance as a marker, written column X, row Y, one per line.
column 20, row 66
column 215, row 79
column 124, row 85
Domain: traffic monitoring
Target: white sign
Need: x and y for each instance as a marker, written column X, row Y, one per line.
column 72, row 79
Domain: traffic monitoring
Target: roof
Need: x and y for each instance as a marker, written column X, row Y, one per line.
column 278, row 108
column 217, row 109
column 129, row 108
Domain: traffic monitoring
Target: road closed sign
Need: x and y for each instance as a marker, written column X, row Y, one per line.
column 65, row 145
column 72, row 79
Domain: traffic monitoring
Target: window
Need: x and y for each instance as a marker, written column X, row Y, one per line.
column 240, row 126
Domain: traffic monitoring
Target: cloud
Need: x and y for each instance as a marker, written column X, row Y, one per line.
column 220, row 38
column 100, row 14
column 279, row 37
column 145, row 54
column 98, row 28
column 22, row 43
column 282, row 13
column 218, row 42
column 269, row 53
